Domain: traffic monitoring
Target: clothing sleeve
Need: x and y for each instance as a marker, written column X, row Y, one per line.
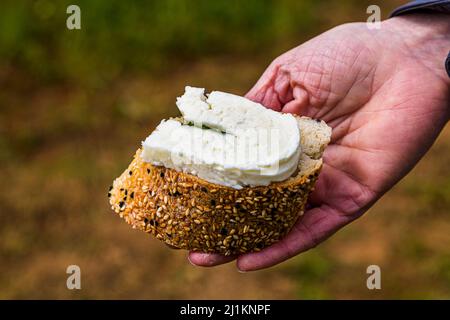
column 447, row 64
column 424, row 6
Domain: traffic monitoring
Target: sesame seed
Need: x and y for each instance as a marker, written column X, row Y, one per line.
column 236, row 222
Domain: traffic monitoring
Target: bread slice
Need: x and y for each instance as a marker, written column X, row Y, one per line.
column 190, row 213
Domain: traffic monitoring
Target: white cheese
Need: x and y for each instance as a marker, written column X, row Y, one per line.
column 227, row 140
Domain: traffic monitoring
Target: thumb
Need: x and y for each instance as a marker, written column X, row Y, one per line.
column 273, row 88
column 299, row 102
column 276, row 89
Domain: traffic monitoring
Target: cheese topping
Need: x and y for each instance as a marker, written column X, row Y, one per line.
column 226, row 139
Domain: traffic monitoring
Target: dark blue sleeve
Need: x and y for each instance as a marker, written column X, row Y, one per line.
column 426, row 6
column 423, row 5
column 447, row 64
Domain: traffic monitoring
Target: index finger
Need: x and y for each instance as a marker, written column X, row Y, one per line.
column 202, row 259
column 312, row 228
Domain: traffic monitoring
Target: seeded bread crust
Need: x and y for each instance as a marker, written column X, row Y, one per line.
column 190, row 213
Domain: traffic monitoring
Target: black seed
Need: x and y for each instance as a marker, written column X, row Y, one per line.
column 154, row 223
column 317, row 120
column 161, row 174
column 121, row 189
column 204, row 189
column 213, row 202
column 259, row 245
column 130, row 172
column 168, row 235
column 110, row 188
column 125, row 198
column 224, row 231
column 241, row 209
column 175, row 194
column 126, row 192
column 148, row 170
column 121, row 204
column 132, row 195
column 257, row 193
column 237, row 206
column 109, row 194
column 146, row 220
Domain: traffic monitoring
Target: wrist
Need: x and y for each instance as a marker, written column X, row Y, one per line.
column 425, row 36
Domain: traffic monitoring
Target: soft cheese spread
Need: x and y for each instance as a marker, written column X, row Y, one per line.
column 226, row 139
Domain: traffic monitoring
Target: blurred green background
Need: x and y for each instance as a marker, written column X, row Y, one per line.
column 76, row 104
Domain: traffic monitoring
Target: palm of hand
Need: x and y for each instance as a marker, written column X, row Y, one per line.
column 364, row 93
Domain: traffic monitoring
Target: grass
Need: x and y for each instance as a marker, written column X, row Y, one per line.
column 75, row 105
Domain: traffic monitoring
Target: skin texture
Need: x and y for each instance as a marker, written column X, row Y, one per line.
column 386, row 95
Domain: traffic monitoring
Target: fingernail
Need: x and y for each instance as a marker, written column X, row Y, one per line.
column 239, row 269
column 189, row 259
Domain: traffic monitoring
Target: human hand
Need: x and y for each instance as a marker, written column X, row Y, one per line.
column 386, row 95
